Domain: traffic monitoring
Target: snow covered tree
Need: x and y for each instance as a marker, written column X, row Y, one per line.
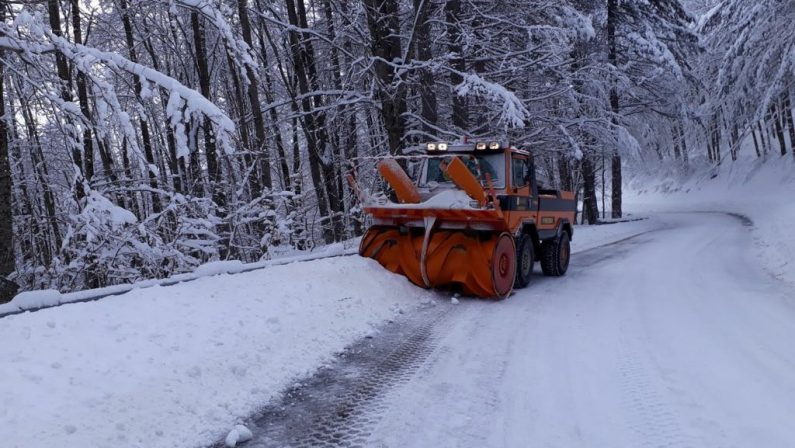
column 752, row 59
column 7, row 259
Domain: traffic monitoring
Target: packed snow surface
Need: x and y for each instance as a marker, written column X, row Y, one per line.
column 760, row 189
column 676, row 338
column 180, row 366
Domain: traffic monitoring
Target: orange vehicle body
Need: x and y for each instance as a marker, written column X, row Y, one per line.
column 480, row 245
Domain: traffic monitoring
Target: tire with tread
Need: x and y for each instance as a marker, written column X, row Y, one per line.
column 555, row 255
column 525, row 260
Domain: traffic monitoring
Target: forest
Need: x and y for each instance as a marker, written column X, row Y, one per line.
column 143, row 138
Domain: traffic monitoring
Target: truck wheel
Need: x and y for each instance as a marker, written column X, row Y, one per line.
column 525, row 259
column 503, row 268
column 555, row 255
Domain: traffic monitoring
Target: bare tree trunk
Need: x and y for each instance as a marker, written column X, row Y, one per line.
column 210, row 147
column 708, row 136
column 146, row 138
column 383, row 19
column 176, row 164
column 756, row 142
column 776, row 114
column 42, row 174
column 716, row 157
column 683, row 143
column 313, row 123
column 32, row 241
column 456, row 46
column 281, row 150
column 564, row 172
column 54, row 10
column 214, row 173
column 612, row 22
column 763, row 136
column 427, row 87
column 589, row 201
column 7, row 264
column 789, row 121
column 260, row 148
column 338, row 147
column 82, row 96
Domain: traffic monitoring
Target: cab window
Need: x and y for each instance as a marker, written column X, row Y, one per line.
column 519, row 168
column 492, row 165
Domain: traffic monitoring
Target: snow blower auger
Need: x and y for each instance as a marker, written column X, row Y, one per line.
column 473, row 221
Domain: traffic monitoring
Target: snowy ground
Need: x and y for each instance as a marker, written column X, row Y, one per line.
column 179, row 366
column 761, row 190
column 679, row 339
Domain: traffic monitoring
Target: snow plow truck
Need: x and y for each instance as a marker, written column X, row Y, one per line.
column 474, row 220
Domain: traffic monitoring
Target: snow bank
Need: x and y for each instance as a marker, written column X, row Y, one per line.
column 37, row 299
column 762, row 191
column 32, row 300
column 178, row 366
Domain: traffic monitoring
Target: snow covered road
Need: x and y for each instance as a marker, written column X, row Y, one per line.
column 672, row 338
column 665, row 332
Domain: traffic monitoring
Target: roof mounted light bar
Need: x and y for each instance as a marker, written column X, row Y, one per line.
column 479, row 146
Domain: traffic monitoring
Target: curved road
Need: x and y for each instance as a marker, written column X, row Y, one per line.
column 675, row 338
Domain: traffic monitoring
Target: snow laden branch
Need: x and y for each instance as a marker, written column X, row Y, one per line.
column 213, row 11
column 183, row 100
column 513, row 113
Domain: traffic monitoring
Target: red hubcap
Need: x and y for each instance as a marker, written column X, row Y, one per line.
column 504, row 262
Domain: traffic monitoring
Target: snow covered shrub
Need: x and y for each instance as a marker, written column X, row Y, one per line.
column 106, row 245
column 270, row 224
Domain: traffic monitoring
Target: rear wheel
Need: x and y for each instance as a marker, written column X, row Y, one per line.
column 525, row 259
column 555, row 255
column 503, row 265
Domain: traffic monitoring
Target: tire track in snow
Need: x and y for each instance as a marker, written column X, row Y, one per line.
column 650, row 416
column 337, row 406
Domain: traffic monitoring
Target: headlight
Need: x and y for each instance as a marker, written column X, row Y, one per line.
column 480, row 146
column 431, row 146
column 442, row 146
column 494, row 145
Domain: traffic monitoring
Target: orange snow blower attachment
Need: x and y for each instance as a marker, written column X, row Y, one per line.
column 481, row 265
column 448, row 231
column 439, row 246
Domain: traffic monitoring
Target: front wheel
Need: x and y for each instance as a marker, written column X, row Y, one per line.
column 525, row 259
column 555, row 255
column 503, row 265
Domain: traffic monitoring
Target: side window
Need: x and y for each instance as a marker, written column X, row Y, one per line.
column 518, row 171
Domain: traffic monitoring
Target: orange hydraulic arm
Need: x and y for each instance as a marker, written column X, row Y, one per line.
column 394, row 175
column 465, row 180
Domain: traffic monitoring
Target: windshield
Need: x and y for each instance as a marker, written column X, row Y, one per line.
column 491, row 164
